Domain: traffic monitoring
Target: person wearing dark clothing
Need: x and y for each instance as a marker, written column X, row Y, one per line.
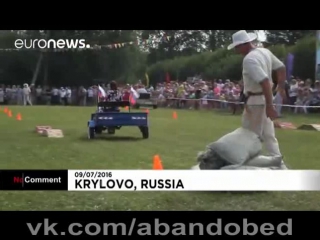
column 113, row 95
column 197, row 96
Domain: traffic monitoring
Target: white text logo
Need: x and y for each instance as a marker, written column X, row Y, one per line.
column 51, row 43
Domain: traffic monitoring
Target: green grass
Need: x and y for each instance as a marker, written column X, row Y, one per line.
column 176, row 141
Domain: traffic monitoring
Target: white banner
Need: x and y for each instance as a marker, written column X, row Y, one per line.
column 193, row 180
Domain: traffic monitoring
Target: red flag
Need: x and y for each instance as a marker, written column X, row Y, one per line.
column 132, row 100
column 167, row 77
column 133, row 96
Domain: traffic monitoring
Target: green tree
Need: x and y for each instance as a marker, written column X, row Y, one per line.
column 287, row 37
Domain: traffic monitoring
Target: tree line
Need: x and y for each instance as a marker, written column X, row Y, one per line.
column 182, row 53
column 225, row 64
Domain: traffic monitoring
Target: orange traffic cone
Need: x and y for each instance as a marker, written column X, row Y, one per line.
column 147, row 111
column 126, row 108
column 157, row 164
column 174, row 115
column 18, row 117
column 9, row 113
column 5, row 110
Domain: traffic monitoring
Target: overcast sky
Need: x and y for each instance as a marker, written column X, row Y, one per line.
column 262, row 35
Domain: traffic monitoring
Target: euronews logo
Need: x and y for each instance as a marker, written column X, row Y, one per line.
column 51, row 44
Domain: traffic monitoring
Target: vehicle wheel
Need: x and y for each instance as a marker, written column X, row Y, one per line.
column 145, row 132
column 91, row 133
column 98, row 130
column 111, row 130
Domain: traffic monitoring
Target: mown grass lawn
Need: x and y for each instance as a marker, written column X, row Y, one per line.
column 176, row 141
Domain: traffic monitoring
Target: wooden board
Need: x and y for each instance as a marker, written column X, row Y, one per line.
column 284, row 125
column 312, row 127
column 53, row 133
column 41, row 129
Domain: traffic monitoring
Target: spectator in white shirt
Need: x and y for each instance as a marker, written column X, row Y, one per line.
column 19, row 95
column 8, row 94
column 220, row 84
column 141, row 89
column 82, row 96
column 293, row 91
column 68, row 95
column 39, row 95
column 90, row 96
column 55, row 96
column 26, row 95
column 95, row 95
column 13, row 99
column 63, row 96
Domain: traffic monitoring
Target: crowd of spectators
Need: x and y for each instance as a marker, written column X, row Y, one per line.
column 194, row 93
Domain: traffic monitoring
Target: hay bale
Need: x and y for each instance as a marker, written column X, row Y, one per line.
column 41, row 129
column 53, row 133
column 310, row 127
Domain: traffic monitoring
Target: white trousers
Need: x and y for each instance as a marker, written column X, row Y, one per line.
column 26, row 99
column 278, row 100
column 255, row 119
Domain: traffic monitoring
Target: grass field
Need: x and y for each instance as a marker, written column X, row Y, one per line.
column 176, row 141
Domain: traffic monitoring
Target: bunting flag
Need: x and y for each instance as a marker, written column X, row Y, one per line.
column 94, row 47
column 147, row 80
column 133, row 96
column 101, row 93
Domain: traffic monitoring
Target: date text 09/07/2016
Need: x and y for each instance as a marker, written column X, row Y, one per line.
column 128, row 184
column 92, row 174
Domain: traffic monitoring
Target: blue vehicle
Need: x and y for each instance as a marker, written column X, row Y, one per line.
column 109, row 118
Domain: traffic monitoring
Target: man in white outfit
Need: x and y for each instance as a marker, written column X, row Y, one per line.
column 258, row 64
column 26, row 95
column 278, row 101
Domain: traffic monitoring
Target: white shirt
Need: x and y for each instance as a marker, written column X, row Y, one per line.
column 90, row 92
column 68, row 93
column 258, row 66
column 55, row 92
column 293, row 91
column 26, row 91
column 190, row 88
column 205, row 87
column 161, row 97
column 142, row 90
column 62, row 93
column 39, row 91
column 161, row 90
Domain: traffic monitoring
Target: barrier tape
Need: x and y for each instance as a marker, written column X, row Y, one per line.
column 242, row 103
